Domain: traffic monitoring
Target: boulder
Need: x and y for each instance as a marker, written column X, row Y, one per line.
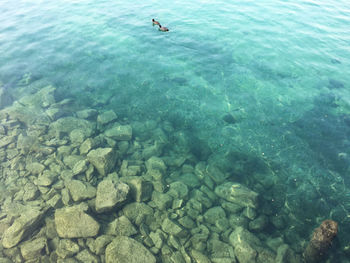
column 73, row 222
column 103, row 159
column 124, row 249
column 33, row 249
column 110, row 194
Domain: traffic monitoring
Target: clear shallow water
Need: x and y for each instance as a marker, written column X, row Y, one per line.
column 280, row 68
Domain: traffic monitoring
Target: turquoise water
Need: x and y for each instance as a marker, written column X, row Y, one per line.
column 260, row 88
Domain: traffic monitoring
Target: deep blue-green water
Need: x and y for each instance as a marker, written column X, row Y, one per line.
column 260, row 88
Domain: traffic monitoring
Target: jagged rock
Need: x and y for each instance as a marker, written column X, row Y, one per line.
column 22, row 227
column 259, row 223
column 238, row 194
column 73, row 222
column 43, row 98
column 120, row 132
column 125, row 249
column 80, row 190
column 178, row 190
column 77, row 136
column 30, row 192
column 86, row 146
column 71, row 160
column 162, row 201
column 219, row 249
column 141, row 190
column 6, row 140
column 106, row 117
column 47, row 178
column 103, row 159
column 121, row 226
column 34, row 249
column 199, row 257
column 110, row 195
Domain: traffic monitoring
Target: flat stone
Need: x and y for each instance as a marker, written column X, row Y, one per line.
column 80, row 167
column 110, row 194
column 73, row 222
column 35, row 168
column 103, row 159
column 124, row 249
column 238, row 194
column 172, row 228
column 120, row 132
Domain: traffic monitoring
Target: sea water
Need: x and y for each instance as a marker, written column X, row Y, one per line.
column 258, row 88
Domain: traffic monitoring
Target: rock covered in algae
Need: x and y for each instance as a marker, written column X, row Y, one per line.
column 320, row 242
column 110, row 194
column 103, row 159
column 73, row 222
column 120, row 132
column 238, row 194
column 127, row 250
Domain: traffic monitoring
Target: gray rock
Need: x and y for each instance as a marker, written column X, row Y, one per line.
column 141, row 190
column 22, row 227
column 121, row 226
column 110, row 194
column 103, row 159
column 214, row 214
column 33, row 249
column 125, row 249
column 238, row 194
column 80, row 190
column 77, row 136
column 73, row 222
column 106, row 117
column 120, row 132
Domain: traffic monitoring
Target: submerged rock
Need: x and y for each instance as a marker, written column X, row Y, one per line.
column 121, row 226
column 141, row 190
column 125, row 249
column 33, row 249
column 238, row 194
column 110, row 194
column 120, row 132
column 80, row 190
column 22, row 227
column 103, row 159
column 73, row 222
column 106, row 117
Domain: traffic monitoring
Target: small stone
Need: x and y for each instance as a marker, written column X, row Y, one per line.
column 187, row 222
column 87, row 114
column 46, row 178
column 35, row 168
column 73, row 222
column 110, row 195
column 125, row 249
column 120, row 132
column 121, row 226
column 77, row 136
column 213, row 214
column 178, row 190
column 86, row 146
column 259, row 223
column 157, row 238
column 99, row 244
column 103, row 159
column 156, row 163
column 87, row 257
column 162, row 201
column 136, row 212
column 199, row 257
column 106, row 117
